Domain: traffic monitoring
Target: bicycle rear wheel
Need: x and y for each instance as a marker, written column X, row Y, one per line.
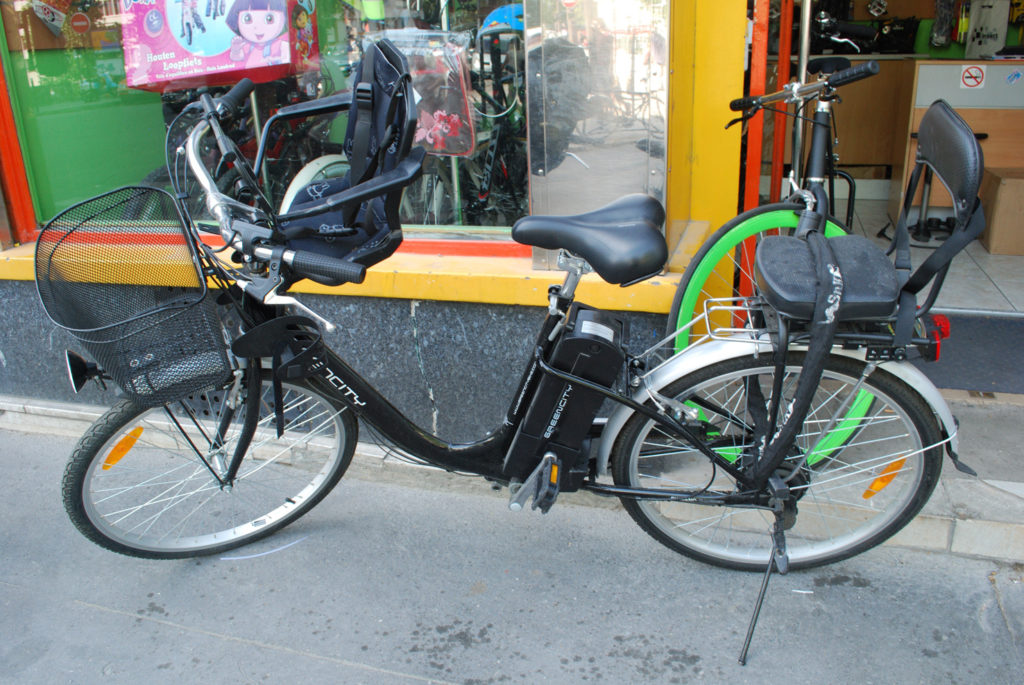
column 865, row 461
column 720, row 269
column 140, row 481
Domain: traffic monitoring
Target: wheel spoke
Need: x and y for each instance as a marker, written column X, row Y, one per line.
column 158, row 499
column 868, row 480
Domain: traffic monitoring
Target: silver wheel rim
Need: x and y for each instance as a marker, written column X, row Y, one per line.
column 835, row 512
column 160, row 497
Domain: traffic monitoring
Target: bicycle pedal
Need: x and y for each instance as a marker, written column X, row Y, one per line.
column 541, row 486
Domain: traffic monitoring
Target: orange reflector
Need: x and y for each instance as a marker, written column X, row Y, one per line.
column 554, row 474
column 122, row 447
column 884, row 479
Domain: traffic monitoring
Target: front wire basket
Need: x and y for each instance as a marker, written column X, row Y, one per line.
column 121, row 274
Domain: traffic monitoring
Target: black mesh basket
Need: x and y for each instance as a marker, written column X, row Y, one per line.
column 121, row 274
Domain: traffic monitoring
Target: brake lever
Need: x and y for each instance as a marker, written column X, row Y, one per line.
column 273, row 298
column 847, row 41
column 749, row 114
column 264, row 289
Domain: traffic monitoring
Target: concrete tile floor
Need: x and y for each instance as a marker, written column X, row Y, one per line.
column 977, row 280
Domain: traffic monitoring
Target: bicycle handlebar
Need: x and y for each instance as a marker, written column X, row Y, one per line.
column 744, row 103
column 862, row 31
column 215, row 200
column 855, row 73
column 319, row 267
column 794, row 92
column 229, row 103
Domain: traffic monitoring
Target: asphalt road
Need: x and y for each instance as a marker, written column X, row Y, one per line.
column 389, row 583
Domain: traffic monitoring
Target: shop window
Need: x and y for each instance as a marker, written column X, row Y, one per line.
column 94, row 84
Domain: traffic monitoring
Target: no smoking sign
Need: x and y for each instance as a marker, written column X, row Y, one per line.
column 972, row 76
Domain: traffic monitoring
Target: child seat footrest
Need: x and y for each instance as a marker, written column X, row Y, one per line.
column 784, row 273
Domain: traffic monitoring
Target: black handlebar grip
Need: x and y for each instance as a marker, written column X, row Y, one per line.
column 227, row 148
column 229, row 103
column 741, row 104
column 862, row 31
column 854, row 73
column 322, row 268
column 212, row 108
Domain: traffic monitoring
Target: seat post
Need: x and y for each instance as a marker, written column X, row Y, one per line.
column 575, row 267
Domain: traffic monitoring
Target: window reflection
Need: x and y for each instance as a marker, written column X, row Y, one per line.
column 551, row 105
column 597, row 92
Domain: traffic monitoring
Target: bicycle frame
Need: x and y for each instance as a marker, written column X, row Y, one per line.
column 818, row 162
column 820, row 167
column 486, row 457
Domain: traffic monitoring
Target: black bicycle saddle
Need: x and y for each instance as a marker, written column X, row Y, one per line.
column 622, row 240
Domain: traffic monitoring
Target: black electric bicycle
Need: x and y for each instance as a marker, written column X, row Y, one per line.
column 237, row 418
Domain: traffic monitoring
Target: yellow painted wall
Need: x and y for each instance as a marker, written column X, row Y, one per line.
column 707, row 49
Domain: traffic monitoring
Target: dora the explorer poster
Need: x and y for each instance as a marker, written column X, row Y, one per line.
column 185, row 43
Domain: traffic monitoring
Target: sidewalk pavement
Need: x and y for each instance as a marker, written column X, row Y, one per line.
column 975, row 517
column 400, row 578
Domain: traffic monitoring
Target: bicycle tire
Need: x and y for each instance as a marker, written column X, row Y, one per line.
column 716, row 269
column 134, row 486
column 861, row 483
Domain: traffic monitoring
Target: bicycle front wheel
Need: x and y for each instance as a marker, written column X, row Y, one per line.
column 865, row 461
column 724, row 265
column 141, row 481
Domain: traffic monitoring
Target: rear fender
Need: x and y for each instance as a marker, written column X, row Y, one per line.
column 915, row 378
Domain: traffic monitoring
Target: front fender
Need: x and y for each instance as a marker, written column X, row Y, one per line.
column 720, row 350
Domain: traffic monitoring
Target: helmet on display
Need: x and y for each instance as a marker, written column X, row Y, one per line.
column 505, row 17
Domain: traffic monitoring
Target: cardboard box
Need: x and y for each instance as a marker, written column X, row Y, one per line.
column 1002, row 196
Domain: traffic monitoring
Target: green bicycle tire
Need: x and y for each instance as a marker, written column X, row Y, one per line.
column 722, row 246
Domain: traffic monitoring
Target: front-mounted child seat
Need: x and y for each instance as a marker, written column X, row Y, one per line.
column 356, row 217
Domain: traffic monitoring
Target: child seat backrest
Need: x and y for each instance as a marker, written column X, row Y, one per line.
column 379, row 136
column 382, row 110
column 947, row 147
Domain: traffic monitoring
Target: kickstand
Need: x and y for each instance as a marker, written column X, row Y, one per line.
column 778, row 560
